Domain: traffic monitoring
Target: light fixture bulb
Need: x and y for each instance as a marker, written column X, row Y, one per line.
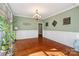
column 37, row 16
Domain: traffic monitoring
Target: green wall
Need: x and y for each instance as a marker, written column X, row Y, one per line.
column 24, row 23
column 73, row 27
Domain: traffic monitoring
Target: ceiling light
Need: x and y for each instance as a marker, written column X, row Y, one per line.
column 37, row 16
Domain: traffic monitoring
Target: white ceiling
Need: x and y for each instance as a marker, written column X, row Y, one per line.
column 45, row 9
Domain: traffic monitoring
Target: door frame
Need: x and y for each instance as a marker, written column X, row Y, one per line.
column 40, row 35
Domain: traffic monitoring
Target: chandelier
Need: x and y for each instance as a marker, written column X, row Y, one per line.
column 36, row 16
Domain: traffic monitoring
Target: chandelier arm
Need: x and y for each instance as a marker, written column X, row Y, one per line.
column 37, row 16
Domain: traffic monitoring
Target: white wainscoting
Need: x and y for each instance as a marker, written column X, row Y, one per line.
column 66, row 38
column 24, row 34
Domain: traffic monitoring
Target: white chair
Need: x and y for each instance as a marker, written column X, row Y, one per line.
column 76, row 45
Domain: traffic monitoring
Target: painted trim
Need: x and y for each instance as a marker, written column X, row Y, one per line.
column 23, row 16
column 62, row 11
column 54, row 13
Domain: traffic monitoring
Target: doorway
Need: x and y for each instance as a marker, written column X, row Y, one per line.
column 40, row 32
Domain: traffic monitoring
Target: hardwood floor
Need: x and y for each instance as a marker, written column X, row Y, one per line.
column 42, row 47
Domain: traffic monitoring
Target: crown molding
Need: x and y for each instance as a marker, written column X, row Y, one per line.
column 22, row 16
column 77, row 4
column 62, row 11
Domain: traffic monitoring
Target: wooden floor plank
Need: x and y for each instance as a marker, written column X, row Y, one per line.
column 42, row 47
